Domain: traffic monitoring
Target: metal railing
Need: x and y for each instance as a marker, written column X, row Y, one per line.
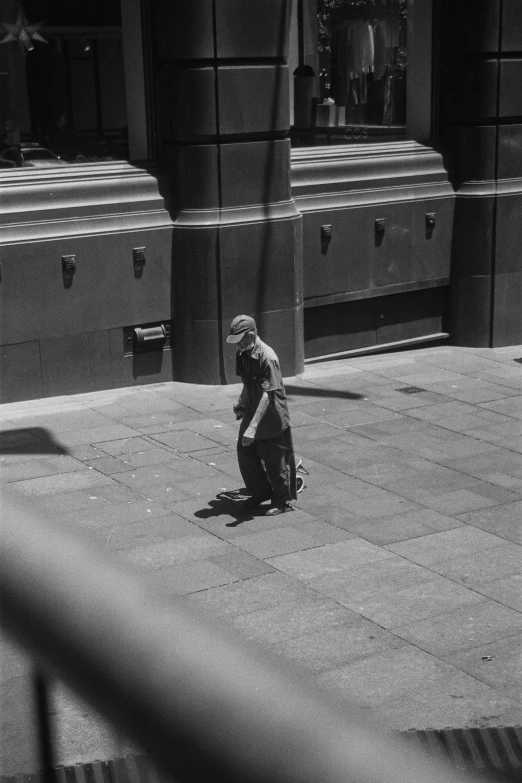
column 203, row 704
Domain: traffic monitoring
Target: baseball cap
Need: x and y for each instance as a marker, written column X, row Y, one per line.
column 238, row 327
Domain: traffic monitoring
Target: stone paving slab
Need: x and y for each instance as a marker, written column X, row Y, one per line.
column 397, row 673
column 386, row 531
column 49, row 465
column 417, row 602
column 175, row 552
column 161, row 421
column 61, row 482
column 507, row 591
column 62, row 421
column 432, row 519
column 435, row 547
column 501, row 435
column 292, row 620
column 374, row 508
column 402, row 527
column 241, row 564
column 496, row 663
column 95, row 434
column 434, row 442
column 85, row 452
column 150, row 530
column 341, row 485
column 108, row 465
column 211, row 486
column 501, row 466
column 397, row 578
column 184, row 440
column 481, row 567
column 251, row 595
column 186, row 578
column 336, row 645
column 350, row 418
column 457, row 501
column 463, row 629
column 474, row 391
column 364, row 583
column 473, row 704
column 394, row 400
column 512, row 406
column 282, row 540
column 110, row 515
column 142, row 459
column 329, row 559
column 62, row 502
column 504, row 520
column 141, row 478
column 458, row 416
column 125, row 446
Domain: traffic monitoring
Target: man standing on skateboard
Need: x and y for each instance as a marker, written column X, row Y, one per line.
column 264, row 448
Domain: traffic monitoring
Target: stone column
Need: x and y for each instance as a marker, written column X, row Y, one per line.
column 481, row 113
column 222, row 106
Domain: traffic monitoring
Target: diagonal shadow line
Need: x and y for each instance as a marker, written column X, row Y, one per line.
column 317, row 391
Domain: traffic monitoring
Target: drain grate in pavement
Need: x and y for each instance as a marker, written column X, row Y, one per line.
column 411, row 390
column 491, row 754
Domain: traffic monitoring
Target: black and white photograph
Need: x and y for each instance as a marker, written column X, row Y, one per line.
column 261, row 391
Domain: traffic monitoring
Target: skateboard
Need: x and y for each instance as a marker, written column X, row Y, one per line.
column 300, row 469
column 239, row 494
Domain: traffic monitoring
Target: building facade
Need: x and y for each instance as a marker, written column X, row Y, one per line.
column 347, row 171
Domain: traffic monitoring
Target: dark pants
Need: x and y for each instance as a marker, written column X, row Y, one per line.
column 268, row 468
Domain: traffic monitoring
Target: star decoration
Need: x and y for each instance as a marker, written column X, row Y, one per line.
column 22, row 32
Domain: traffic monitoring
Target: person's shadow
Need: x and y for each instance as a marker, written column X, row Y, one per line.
column 225, row 507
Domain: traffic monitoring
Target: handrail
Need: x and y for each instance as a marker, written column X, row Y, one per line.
column 205, row 705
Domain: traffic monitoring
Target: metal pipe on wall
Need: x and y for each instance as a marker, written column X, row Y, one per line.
column 203, row 703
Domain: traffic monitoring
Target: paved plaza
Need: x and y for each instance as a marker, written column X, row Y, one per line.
column 397, row 578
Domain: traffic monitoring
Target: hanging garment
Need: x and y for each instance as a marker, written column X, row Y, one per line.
column 355, row 57
column 379, row 37
column 360, row 50
column 387, row 117
column 358, row 92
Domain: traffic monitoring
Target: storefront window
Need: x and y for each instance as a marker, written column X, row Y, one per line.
column 350, row 77
column 62, row 85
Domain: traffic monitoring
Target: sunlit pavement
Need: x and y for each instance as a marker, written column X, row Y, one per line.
column 397, row 577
